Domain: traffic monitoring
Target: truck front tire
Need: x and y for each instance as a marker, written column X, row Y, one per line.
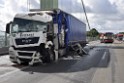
column 50, row 56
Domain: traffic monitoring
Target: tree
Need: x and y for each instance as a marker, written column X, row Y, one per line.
column 121, row 32
column 93, row 33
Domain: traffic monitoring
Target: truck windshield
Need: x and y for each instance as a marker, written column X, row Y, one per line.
column 108, row 34
column 22, row 25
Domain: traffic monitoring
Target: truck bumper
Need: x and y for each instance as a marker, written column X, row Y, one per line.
column 108, row 41
column 17, row 56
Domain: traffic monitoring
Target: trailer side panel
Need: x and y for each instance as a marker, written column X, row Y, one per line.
column 77, row 30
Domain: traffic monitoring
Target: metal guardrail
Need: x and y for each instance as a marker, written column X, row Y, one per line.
column 4, row 50
column 4, row 41
column 89, row 39
column 3, row 45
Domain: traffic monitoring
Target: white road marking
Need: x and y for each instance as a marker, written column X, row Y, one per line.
column 104, row 55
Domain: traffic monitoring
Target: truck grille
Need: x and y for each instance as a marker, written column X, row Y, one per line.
column 25, row 54
column 25, row 41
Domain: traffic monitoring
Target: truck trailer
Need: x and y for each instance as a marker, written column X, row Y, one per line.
column 107, row 37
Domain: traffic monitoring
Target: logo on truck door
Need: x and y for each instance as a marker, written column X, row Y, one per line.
column 26, row 40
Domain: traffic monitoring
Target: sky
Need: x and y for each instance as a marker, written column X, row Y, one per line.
column 104, row 15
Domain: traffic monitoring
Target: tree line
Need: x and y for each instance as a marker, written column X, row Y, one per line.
column 93, row 33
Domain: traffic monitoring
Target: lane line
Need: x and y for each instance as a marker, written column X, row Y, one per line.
column 104, row 55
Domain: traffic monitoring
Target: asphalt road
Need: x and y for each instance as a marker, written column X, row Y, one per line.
column 103, row 64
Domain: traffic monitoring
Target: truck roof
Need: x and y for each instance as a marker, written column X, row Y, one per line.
column 41, row 17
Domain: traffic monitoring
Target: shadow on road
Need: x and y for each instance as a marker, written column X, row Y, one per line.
column 93, row 60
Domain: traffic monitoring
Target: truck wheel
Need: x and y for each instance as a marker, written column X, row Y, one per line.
column 50, row 57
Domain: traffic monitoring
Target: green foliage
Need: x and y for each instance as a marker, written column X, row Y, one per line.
column 121, row 32
column 93, row 33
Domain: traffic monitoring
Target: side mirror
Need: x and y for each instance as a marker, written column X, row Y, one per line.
column 8, row 28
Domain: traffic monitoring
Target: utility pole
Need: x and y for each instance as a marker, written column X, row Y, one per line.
column 85, row 14
column 28, row 5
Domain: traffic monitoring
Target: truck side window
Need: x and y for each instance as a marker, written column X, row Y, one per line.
column 15, row 28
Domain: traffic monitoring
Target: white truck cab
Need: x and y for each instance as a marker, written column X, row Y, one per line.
column 30, row 36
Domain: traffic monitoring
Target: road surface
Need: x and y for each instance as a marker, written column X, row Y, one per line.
column 103, row 64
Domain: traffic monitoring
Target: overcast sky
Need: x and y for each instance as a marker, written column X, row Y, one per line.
column 104, row 15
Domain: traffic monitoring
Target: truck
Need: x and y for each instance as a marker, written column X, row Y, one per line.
column 45, row 36
column 107, row 37
column 119, row 37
